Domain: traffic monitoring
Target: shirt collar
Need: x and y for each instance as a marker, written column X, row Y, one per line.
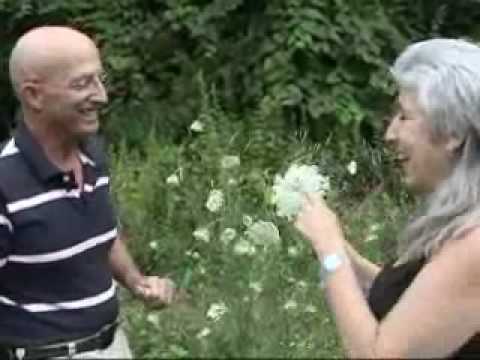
column 35, row 156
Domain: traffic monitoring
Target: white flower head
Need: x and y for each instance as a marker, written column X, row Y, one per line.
column 301, row 284
column 256, row 286
column 197, row 126
column 263, row 233
column 291, row 280
column 202, row 234
column 290, row 305
column 230, row 161
column 193, row 254
column 232, row 182
column 216, row 311
column 371, row 237
column 153, row 319
column 215, row 200
column 202, row 270
column 310, row 309
column 244, row 247
column 373, row 233
column 173, row 180
column 299, row 179
column 352, row 167
column 247, row 220
column 293, row 251
column 203, row 333
column 228, row 235
column 153, row 245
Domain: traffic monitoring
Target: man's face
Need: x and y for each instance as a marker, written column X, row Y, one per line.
column 74, row 93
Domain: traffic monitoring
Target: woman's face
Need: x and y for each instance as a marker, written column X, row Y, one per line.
column 425, row 160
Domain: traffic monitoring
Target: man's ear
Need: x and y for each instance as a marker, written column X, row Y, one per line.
column 32, row 95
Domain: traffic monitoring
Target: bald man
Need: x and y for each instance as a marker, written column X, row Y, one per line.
column 60, row 249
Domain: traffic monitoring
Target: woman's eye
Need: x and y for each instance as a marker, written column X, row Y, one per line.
column 401, row 116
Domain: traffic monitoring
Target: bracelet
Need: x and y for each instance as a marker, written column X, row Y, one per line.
column 329, row 264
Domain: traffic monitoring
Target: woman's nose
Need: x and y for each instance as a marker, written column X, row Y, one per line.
column 390, row 135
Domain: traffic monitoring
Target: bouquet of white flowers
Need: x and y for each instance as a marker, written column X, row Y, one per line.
column 288, row 191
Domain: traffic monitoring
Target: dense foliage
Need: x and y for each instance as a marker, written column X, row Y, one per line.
column 325, row 61
column 251, row 293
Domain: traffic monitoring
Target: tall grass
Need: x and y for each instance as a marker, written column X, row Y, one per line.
column 268, row 293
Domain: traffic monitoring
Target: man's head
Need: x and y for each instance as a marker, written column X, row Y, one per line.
column 57, row 75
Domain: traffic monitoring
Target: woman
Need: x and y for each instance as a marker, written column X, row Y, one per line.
column 428, row 303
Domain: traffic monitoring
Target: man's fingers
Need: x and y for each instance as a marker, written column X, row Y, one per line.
column 157, row 289
column 181, row 295
column 165, row 289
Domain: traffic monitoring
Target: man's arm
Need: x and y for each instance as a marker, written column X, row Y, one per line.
column 124, row 269
column 126, row 272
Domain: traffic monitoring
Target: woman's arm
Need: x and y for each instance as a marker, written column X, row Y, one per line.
column 365, row 270
column 436, row 315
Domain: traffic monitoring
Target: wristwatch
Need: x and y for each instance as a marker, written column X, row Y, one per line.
column 329, row 264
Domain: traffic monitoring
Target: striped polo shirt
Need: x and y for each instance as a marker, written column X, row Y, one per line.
column 55, row 279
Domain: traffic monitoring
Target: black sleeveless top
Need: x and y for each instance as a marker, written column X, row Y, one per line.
column 390, row 284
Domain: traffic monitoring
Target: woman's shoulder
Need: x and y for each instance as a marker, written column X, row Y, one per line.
column 461, row 255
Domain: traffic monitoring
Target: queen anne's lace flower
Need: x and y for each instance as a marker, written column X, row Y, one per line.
column 373, row 233
column 197, row 126
column 153, row 319
column 352, row 167
column 232, row 182
column 293, row 251
column 288, row 191
column 216, row 311
column 256, row 286
column 230, row 161
column 202, row 234
column 290, row 305
column 215, row 200
column 228, row 235
column 173, row 180
column 244, row 247
column 203, row 333
column 247, row 220
column 263, row 233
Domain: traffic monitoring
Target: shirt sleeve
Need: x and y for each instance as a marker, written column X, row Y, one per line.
column 6, row 233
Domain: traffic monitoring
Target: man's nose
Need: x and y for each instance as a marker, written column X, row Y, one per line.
column 101, row 95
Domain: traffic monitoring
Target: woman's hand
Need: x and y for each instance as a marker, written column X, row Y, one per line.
column 319, row 224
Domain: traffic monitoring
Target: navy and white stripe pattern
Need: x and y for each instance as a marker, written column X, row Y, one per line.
column 55, row 238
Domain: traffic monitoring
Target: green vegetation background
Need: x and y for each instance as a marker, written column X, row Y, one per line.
column 272, row 82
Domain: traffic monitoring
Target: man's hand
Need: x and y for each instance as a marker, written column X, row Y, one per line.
column 155, row 290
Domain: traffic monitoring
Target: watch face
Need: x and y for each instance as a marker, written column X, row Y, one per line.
column 332, row 262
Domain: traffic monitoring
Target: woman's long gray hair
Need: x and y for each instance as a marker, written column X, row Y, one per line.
column 444, row 76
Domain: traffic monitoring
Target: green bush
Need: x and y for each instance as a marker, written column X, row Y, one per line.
column 274, row 307
column 324, row 61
